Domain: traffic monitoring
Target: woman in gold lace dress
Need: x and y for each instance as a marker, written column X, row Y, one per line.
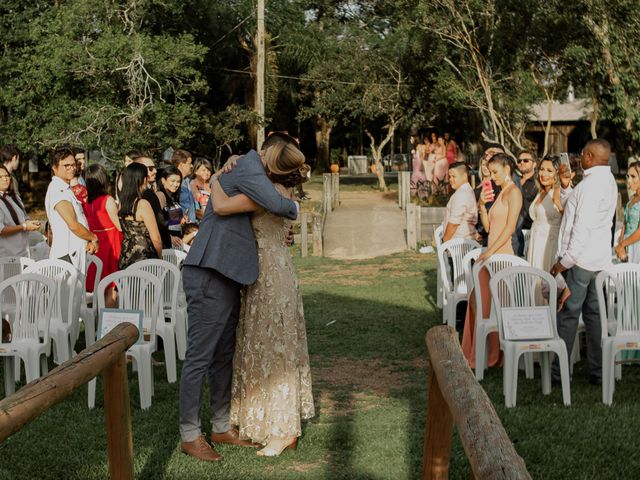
column 271, row 391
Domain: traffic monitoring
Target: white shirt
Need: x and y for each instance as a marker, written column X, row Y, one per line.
column 16, row 245
column 585, row 232
column 64, row 241
column 462, row 211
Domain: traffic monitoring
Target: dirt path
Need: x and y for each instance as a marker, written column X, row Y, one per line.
column 365, row 225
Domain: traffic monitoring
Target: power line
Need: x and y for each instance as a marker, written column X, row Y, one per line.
column 322, row 80
column 233, row 29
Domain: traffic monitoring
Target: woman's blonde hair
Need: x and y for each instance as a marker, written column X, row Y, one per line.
column 286, row 166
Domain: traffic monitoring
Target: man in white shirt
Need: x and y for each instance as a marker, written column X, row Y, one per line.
column 461, row 215
column 69, row 227
column 584, row 249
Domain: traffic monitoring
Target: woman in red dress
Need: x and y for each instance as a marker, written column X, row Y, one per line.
column 102, row 214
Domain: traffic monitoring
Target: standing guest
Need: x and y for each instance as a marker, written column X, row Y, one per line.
column 141, row 237
column 128, row 160
column 417, row 175
column 14, row 223
column 189, row 232
column 101, row 211
column 628, row 249
column 71, row 235
column 500, row 222
column 183, row 161
column 80, row 165
column 452, row 149
column 200, row 187
column 462, row 214
column 427, row 159
column 78, row 184
column 527, row 163
column 150, row 196
column 483, row 172
column 168, row 187
column 441, row 165
column 584, row 250
column 10, row 158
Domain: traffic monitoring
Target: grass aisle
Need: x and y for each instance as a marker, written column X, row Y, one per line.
column 366, row 322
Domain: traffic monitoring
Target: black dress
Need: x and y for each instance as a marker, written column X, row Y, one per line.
column 136, row 241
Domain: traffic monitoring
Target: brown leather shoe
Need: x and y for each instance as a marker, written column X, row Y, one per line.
column 201, row 450
column 232, row 437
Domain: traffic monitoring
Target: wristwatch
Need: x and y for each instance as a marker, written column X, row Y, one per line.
column 24, row 227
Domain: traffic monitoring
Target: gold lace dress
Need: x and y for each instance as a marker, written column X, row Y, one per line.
column 271, row 391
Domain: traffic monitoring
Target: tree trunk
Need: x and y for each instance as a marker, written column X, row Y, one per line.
column 323, row 137
column 594, row 116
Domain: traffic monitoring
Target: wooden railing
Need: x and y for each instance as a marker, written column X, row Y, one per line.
column 108, row 355
column 455, row 396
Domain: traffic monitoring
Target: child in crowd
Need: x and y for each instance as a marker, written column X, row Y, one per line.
column 189, row 232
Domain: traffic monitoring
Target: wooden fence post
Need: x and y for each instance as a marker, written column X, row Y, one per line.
column 437, row 433
column 326, row 192
column 335, row 190
column 405, row 178
column 117, row 416
column 411, row 225
column 400, row 185
column 418, row 223
column 317, row 235
column 304, row 218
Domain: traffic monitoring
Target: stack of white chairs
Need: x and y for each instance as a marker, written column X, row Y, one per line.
column 438, row 234
column 169, row 275
column 516, row 289
column 137, row 290
column 619, row 303
column 89, row 306
column 64, row 325
column 177, row 257
column 526, row 235
column 454, row 286
column 485, row 326
column 34, row 301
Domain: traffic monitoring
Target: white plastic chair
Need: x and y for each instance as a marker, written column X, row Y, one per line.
column 454, row 286
column 35, row 297
column 169, row 275
column 485, row 326
column 621, row 284
column 515, row 288
column 89, row 307
column 467, row 265
column 177, row 257
column 10, row 267
column 64, row 325
column 438, row 234
column 137, row 290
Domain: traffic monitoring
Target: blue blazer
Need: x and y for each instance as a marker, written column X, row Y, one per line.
column 226, row 243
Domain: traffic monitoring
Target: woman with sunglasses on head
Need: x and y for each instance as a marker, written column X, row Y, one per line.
column 14, row 223
column 628, row 249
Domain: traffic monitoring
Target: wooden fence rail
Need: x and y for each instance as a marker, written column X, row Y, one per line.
column 456, row 396
column 108, row 355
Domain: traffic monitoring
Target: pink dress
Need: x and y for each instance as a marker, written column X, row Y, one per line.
column 441, row 165
column 417, row 175
column 451, row 153
column 497, row 223
column 109, row 238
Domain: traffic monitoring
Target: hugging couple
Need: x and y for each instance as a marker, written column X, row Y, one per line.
column 239, row 277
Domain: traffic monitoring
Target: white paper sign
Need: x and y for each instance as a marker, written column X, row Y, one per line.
column 526, row 323
column 110, row 318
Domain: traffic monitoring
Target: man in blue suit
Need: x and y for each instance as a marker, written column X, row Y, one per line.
column 221, row 260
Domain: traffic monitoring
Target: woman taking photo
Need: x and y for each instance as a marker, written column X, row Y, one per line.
column 628, row 249
column 500, row 222
column 202, row 171
column 141, row 237
column 271, row 392
column 101, row 211
column 14, row 224
column 168, row 193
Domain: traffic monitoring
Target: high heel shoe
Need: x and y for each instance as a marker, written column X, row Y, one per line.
column 273, row 451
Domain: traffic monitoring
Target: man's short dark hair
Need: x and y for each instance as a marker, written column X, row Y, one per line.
column 7, row 152
column 134, row 154
column 180, row 156
column 461, row 166
column 533, row 154
column 61, row 153
column 487, row 145
column 278, row 137
column 599, row 143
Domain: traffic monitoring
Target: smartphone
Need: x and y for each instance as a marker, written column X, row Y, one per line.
column 487, row 187
column 564, row 159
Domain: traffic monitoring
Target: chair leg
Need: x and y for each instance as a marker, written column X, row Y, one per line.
column 481, row 356
column 545, row 369
column 145, row 382
column 181, row 334
column 91, row 399
column 170, row 356
column 565, row 379
column 608, row 373
column 528, row 366
column 89, row 329
column 9, row 378
column 438, row 289
column 510, row 376
column 44, row 364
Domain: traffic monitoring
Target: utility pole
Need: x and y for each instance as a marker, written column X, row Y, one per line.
column 259, row 106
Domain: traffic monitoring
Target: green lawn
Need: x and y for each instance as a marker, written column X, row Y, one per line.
column 366, row 322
